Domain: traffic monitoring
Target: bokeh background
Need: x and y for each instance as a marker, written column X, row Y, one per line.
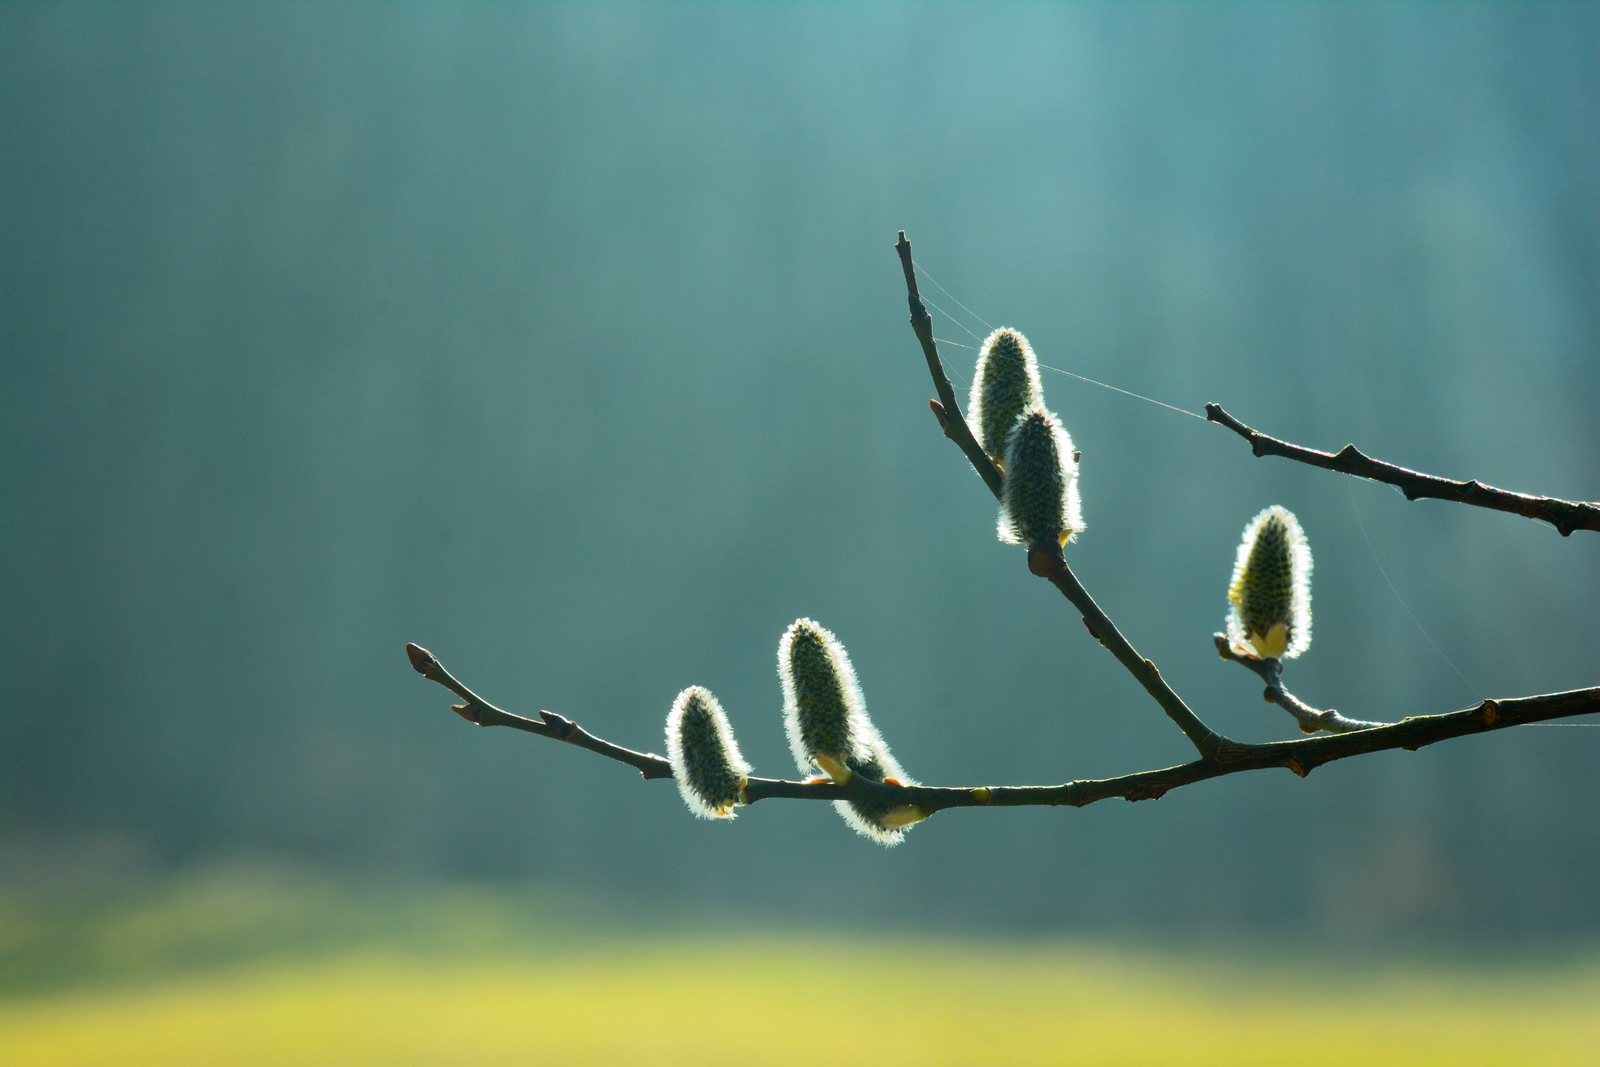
column 569, row 342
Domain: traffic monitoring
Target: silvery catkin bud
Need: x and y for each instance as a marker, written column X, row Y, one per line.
column 1039, row 498
column 826, row 720
column 1271, row 589
column 710, row 772
column 1004, row 385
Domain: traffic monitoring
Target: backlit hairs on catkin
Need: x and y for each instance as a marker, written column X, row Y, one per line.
column 1039, row 497
column 826, row 720
column 1270, row 595
column 710, row 772
column 1004, row 385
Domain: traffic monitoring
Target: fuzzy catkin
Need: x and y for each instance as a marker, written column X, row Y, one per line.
column 826, row 721
column 1005, row 383
column 706, row 763
column 1270, row 595
column 1039, row 496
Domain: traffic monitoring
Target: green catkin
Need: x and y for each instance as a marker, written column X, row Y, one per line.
column 1039, row 497
column 1270, row 595
column 710, row 772
column 820, row 696
column 1004, row 385
column 826, row 721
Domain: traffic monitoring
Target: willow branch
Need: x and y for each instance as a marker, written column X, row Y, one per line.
column 945, row 409
column 1310, row 719
column 1564, row 515
column 480, row 712
column 1046, row 561
column 1300, row 756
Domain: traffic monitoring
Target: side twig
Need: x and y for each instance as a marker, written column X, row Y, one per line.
column 1310, row 719
column 1300, row 756
column 480, row 712
column 1044, row 560
column 1564, row 515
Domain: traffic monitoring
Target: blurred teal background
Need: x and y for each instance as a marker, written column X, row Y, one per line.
column 569, row 342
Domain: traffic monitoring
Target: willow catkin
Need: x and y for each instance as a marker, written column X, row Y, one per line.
column 706, row 763
column 1039, row 497
column 826, row 720
column 1005, row 383
column 1270, row 596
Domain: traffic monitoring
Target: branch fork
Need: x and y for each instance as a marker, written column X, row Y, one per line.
column 1341, row 737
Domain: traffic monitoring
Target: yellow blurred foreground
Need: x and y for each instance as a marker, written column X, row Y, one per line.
column 754, row 999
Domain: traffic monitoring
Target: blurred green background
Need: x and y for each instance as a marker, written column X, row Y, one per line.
column 569, row 342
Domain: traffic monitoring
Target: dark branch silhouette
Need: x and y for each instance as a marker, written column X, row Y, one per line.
column 1219, row 755
column 1300, row 756
column 1046, row 561
column 1310, row 719
column 1564, row 515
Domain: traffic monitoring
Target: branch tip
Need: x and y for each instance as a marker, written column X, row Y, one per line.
column 1564, row 515
column 421, row 659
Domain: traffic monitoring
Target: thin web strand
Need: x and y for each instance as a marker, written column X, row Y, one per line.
column 951, row 317
column 951, row 295
column 1124, row 392
column 1424, row 630
column 1057, row 370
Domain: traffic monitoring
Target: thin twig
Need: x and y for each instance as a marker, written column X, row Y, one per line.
column 1310, row 719
column 945, row 409
column 1564, row 515
column 1300, row 756
column 480, row 712
column 1046, row 561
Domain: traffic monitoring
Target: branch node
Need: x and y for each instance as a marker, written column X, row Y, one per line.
column 1230, row 751
column 1490, row 712
column 938, row 413
column 468, row 712
column 1297, row 767
column 561, row 727
column 982, row 795
column 1046, row 561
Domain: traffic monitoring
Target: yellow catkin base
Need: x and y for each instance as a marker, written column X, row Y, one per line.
column 766, row 1000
